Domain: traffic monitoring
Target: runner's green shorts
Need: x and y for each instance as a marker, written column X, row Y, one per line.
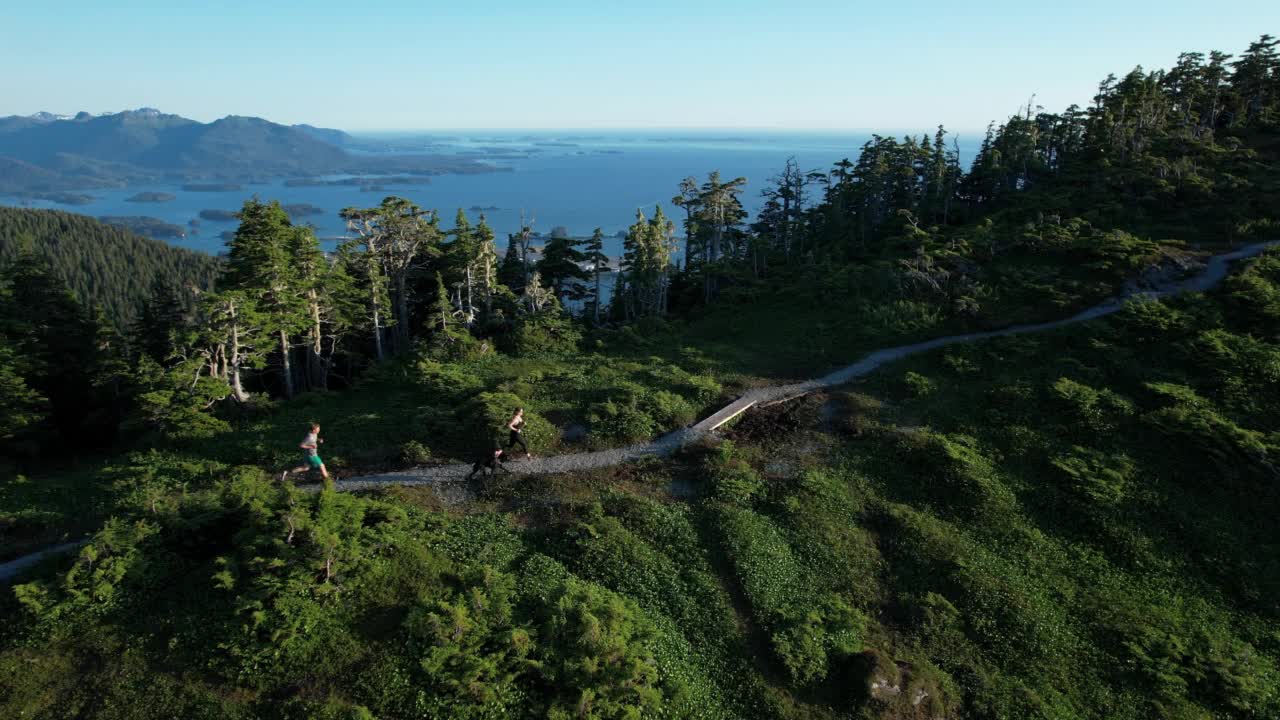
column 314, row 461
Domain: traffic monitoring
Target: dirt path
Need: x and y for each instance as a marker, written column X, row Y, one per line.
column 1215, row 270
column 449, row 479
column 14, row 567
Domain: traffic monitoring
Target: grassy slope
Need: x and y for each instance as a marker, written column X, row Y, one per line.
column 1010, row 544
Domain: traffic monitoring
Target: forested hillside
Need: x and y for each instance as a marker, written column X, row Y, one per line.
column 1076, row 523
column 104, row 267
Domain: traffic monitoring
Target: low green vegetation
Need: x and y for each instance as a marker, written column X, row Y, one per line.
column 1074, row 523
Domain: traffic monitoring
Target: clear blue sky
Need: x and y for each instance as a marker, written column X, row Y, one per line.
column 374, row 64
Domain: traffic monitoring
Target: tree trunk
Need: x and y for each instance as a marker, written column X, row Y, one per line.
column 596, row 310
column 286, row 364
column 233, row 362
column 402, row 315
column 471, row 308
column 379, row 353
column 317, row 372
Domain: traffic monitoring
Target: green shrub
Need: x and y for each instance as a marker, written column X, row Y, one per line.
column 445, row 382
column 546, row 333
column 958, row 476
column 918, row 386
column 457, row 345
column 1183, row 650
column 414, row 453
column 806, row 627
column 1203, row 431
column 484, row 419
column 150, row 480
column 107, row 571
column 1094, row 477
column 472, row 653
column 594, row 650
column 668, row 410
column 1100, row 411
column 620, row 422
column 733, row 480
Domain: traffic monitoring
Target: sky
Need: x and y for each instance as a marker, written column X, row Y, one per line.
column 365, row 65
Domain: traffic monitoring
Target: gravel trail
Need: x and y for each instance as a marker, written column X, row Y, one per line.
column 15, row 567
column 449, row 480
column 1215, row 270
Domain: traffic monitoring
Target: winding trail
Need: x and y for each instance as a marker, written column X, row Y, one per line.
column 448, row 480
column 15, row 567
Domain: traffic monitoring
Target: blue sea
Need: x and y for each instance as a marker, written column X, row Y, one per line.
column 577, row 179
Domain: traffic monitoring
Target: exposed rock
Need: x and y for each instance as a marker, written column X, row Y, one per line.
column 883, row 689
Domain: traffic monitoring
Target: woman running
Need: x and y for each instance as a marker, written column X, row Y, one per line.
column 516, row 425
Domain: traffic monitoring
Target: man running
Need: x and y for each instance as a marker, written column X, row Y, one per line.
column 311, row 451
column 516, row 426
column 494, row 460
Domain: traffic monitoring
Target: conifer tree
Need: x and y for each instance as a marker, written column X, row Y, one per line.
column 462, row 259
column 22, row 408
column 599, row 264
column 260, row 264
column 721, row 213
column 486, row 265
column 443, row 308
column 511, row 271
column 330, row 300
column 560, row 268
column 645, row 271
column 52, row 339
column 160, row 319
column 399, row 238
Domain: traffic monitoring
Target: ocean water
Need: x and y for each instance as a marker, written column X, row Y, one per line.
column 577, row 179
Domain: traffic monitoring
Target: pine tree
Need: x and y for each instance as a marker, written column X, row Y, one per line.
column 160, row 319
column 260, row 264
column 316, row 285
column 400, row 238
column 721, row 212
column 560, row 268
column 365, row 272
column 644, row 279
column 511, row 271
column 443, row 308
column 1256, row 82
column 486, row 265
column 599, row 263
column 22, row 408
column 689, row 200
column 52, row 339
column 462, row 260
column 230, row 339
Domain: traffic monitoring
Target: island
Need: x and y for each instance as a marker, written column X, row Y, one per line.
column 297, row 210
column 61, row 198
column 485, row 208
column 220, row 215
column 151, row 197
column 143, row 225
column 212, row 187
column 359, row 181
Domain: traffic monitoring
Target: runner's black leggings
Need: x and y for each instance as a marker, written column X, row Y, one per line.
column 516, row 437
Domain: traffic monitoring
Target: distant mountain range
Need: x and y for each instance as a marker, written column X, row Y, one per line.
column 48, row 152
